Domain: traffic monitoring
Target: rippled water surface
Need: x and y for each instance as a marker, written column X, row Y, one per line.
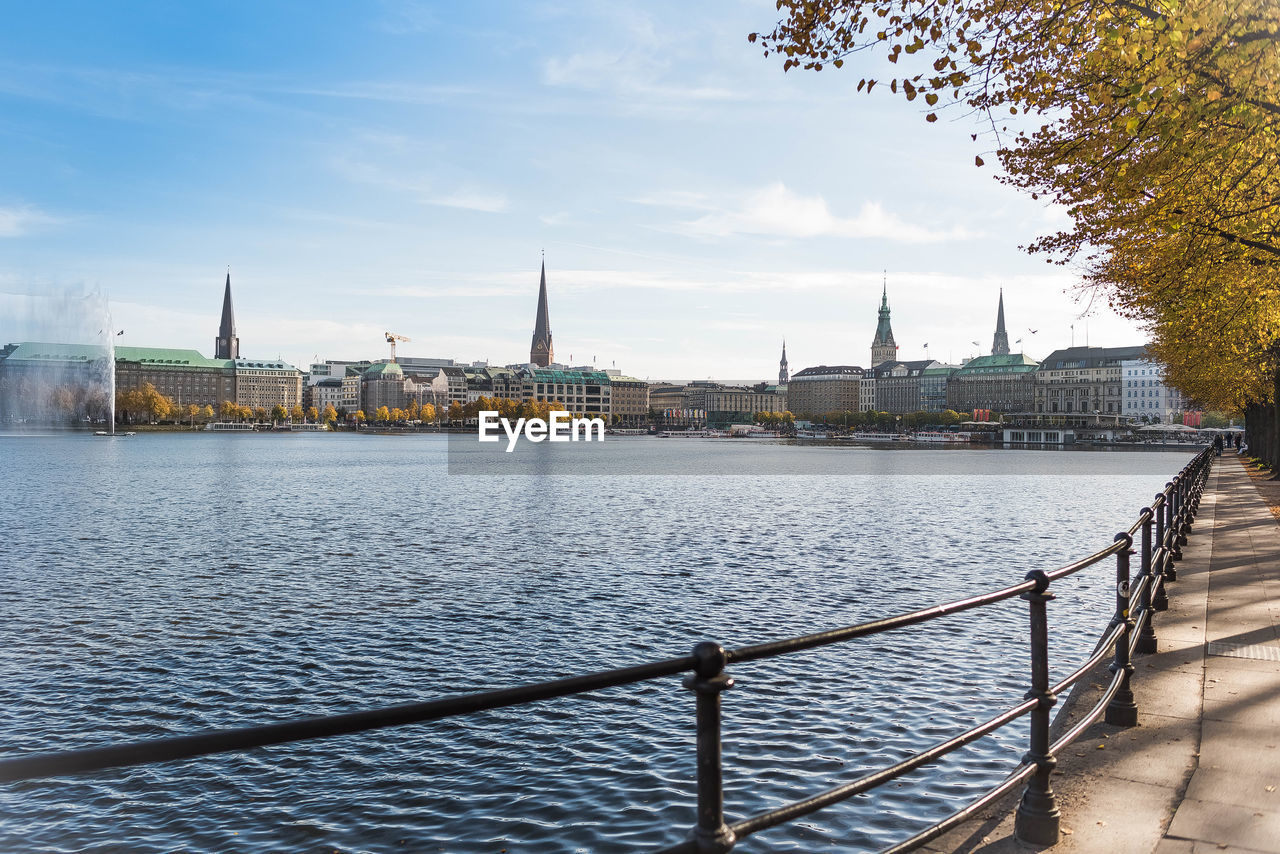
column 169, row 584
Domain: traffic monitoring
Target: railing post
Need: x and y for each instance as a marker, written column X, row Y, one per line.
column 1037, row 819
column 1184, row 519
column 1147, row 635
column 710, row 835
column 1122, row 710
column 1160, row 599
column 1172, row 552
column 1197, row 486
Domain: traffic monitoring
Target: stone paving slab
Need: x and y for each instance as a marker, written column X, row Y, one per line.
column 1201, row 772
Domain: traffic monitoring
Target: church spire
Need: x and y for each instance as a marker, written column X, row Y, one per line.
column 1000, row 345
column 883, row 347
column 227, row 345
column 541, row 352
column 784, row 376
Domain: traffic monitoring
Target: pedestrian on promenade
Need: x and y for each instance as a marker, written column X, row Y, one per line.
column 1217, row 444
column 1238, row 442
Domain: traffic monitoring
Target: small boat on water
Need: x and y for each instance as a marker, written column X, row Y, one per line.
column 229, row 427
column 947, row 438
column 109, row 433
column 694, row 434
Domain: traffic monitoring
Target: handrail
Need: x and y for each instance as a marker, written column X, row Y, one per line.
column 1162, row 529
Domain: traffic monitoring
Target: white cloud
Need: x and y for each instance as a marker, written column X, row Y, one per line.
column 675, row 199
column 15, row 222
column 556, row 219
column 776, row 211
column 422, row 188
column 469, row 199
column 627, row 73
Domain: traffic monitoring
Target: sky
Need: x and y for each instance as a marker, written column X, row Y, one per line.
column 404, row 166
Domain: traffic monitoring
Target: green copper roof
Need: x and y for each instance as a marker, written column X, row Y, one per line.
column 151, row 356
column 1012, row 363
column 35, row 351
column 161, row 356
column 384, row 369
column 546, row 375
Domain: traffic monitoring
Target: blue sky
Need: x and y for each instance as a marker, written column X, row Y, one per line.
column 400, row 166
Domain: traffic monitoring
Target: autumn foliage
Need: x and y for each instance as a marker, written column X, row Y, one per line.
column 1155, row 125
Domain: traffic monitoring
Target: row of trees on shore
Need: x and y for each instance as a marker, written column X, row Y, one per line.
column 147, row 404
column 1155, row 126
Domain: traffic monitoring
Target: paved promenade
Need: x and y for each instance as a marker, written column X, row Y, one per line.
column 1201, row 773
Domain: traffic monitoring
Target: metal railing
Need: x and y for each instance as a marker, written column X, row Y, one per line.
column 1162, row 529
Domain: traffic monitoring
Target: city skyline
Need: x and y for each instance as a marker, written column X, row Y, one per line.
column 356, row 181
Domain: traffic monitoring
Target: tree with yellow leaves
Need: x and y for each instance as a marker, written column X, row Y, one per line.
column 1155, row 125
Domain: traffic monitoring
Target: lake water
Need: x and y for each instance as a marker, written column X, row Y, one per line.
column 173, row 583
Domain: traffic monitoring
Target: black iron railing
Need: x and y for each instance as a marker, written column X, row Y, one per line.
column 1162, row 530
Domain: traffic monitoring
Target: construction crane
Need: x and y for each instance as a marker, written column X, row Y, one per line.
column 392, row 338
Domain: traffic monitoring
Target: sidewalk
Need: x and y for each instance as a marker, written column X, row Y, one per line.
column 1201, row 772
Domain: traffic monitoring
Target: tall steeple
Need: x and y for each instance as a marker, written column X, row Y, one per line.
column 227, row 345
column 541, row 353
column 1000, row 346
column 883, row 348
column 784, row 376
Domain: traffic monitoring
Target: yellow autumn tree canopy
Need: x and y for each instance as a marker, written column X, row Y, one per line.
column 1155, row 124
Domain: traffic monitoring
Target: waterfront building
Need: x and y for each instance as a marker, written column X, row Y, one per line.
column 1145, row 393
column 507, row 383
column 449, row 387
column 867, row 392
column 1084, row 379
column 541, row 352
column 668, row 396
column 227, row 345
column 60, row 382
column 333, row 368
column 815, row 391
column 1002, row 383
column 669, row 403
column 629, row 401
column 883, row 347
column 324, row 392
column 933, row 387
column 898, row 385
column 185, row 376
column 351, row 382
column 583, row 392
column 382, row 385
column 783, row 375
column 479, row 384
column 267, row 383
column 723, row 405
column 421, row 370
